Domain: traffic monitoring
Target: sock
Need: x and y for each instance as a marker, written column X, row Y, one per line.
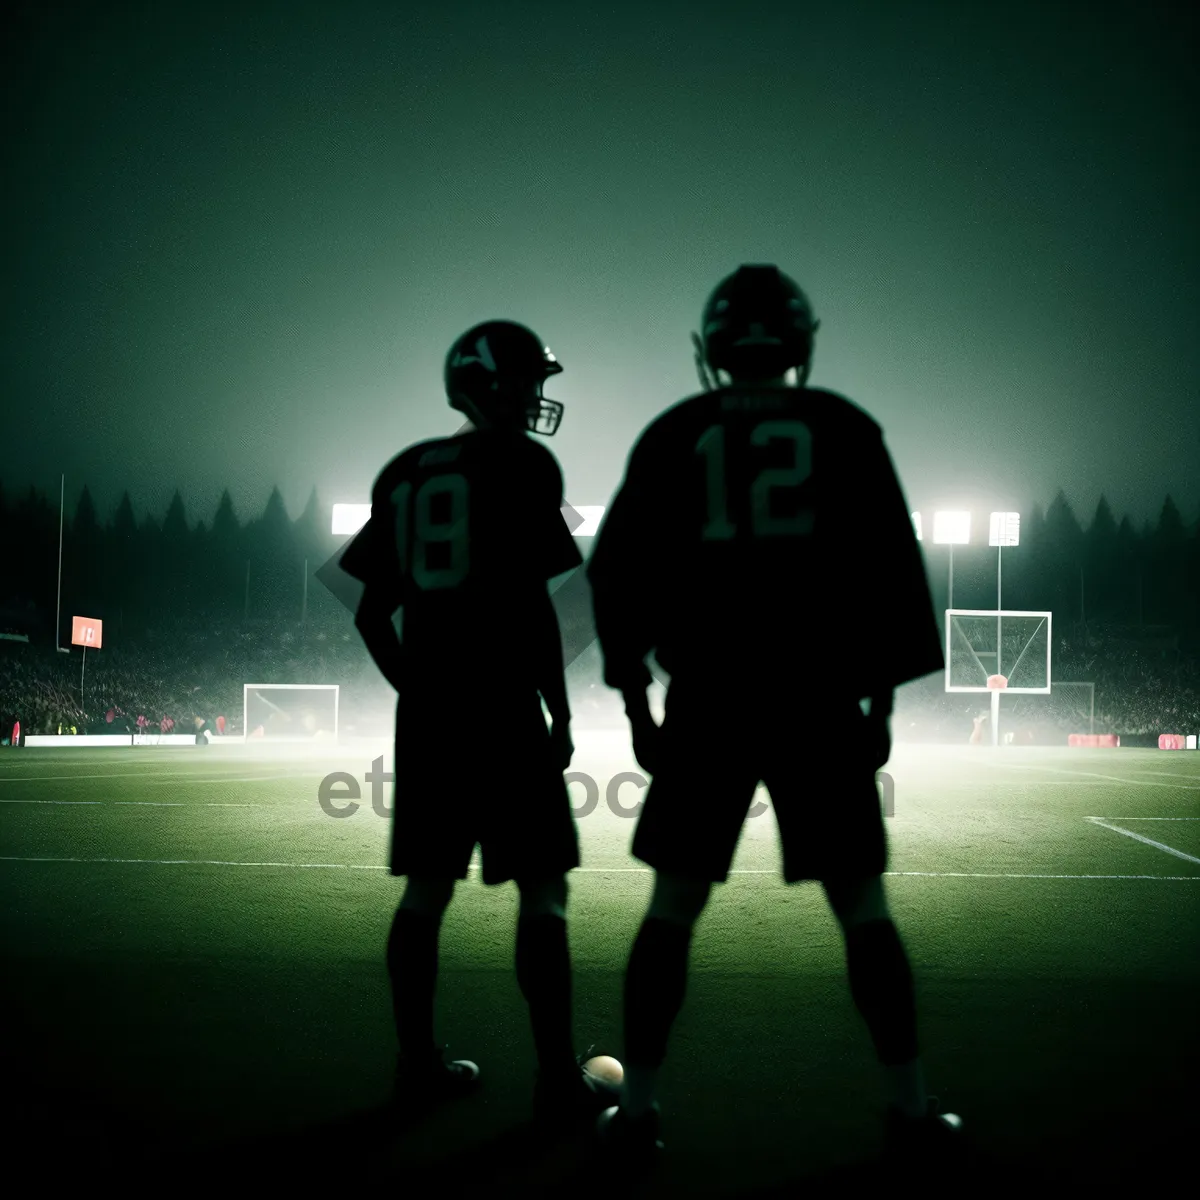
column 655, row 984
column 638, row 1089
column 412, row 960
column 881, row 983
column 544, row 976
column 906, row 1083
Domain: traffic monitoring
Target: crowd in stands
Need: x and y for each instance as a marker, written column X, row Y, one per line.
column 168, row 677
column 178, row 672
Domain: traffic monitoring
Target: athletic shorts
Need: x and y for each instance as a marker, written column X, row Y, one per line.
column 479, row 778
column 714, row 752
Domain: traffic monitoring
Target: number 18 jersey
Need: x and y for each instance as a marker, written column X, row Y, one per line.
column 462, row 530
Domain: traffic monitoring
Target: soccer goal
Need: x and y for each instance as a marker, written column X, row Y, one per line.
column 290, row 712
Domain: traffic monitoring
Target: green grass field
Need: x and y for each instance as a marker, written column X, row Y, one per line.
column 194, row 977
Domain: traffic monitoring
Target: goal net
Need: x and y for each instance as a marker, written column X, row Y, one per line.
column 290, row 712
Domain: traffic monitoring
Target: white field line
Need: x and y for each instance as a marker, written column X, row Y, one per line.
column 176, row 775
column 190, row 862
column 67, row 802
column 1166, row 774
column 142, row 803
column 1190, row 787
column 1148, row 841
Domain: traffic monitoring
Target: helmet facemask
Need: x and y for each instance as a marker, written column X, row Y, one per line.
column 516, row 407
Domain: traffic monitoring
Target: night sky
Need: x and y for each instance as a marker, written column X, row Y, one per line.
column 240, row 237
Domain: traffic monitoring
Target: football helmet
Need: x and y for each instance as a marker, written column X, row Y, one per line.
column 494, row 374
column 757, row 324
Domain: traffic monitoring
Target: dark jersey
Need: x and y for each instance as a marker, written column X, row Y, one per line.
column 463, row 532
column 761, row 535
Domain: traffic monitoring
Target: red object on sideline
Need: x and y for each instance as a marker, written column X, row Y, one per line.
column 1094, row 740
column 221, row 725
column 87, row 632
column 1171, row 741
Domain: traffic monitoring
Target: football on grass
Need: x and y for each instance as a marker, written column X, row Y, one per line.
column 605, row 1068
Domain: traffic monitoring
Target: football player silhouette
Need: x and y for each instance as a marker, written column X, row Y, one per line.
column 464, row 533
column 759, row 532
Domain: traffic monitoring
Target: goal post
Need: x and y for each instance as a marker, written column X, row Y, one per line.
column 290, row 712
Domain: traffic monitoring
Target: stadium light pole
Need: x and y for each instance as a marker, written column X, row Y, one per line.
column 1004, row 529
column 952, row 528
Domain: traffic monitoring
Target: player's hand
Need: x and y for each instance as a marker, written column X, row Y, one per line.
column 879, row 741
column 561, row 746
column 646, row 737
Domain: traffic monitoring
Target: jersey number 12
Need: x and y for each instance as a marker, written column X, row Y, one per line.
column 426, row 531
column 718, row 526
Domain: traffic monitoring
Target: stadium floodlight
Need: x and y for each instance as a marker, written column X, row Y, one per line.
column 1004, row 529
column 916, row 520
column 350, row 518
column 952, row 529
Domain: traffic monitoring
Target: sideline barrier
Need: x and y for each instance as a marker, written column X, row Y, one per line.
column 1171, row 741
column 66, row 740
column 1110, row 740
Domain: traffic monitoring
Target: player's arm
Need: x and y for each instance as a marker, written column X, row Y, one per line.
column 549, row 670
column 618, row 573
column 373, row 620
column 554, row 553
column 372, row 559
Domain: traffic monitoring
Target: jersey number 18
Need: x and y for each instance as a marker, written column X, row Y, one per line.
column 417, row 513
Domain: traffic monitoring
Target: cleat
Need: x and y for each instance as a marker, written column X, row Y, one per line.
column 576, row 1096
column 634, row 1142
column 419, row 1086
column 934, row 1135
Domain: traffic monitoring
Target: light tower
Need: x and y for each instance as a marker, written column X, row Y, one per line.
column 952, row 528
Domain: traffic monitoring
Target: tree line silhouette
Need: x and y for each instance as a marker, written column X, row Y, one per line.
column 131, row 573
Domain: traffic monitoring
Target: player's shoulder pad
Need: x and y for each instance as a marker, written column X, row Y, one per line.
column 667, row 420
column 538, row 457
column 839, row 406
column 400, row 466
